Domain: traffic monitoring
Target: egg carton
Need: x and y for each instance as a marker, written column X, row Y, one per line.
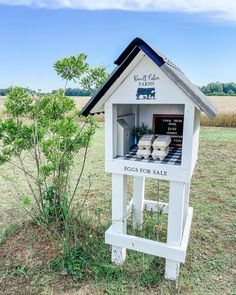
column 161, row 142
column 143, row 153
column 160, row 154
column 146, row 141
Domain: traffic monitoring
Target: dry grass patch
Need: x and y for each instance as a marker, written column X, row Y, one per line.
column 221, row 120
column 224, row 104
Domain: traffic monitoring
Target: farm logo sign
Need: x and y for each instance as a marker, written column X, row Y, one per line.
column 145, row 91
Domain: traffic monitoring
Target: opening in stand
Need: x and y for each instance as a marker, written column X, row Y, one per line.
column 150, row 133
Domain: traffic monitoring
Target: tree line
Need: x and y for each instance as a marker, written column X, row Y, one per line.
column 76, row 92
column 219, row 89
column 3, row 91
column 68, row 92
column 216, row 89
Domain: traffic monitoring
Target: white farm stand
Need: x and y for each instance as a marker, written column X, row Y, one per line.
column 145, row 85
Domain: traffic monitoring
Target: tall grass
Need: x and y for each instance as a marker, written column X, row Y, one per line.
column 223, row 119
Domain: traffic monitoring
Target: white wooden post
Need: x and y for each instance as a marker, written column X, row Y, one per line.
column 110, row 131
column 138, row 201
column 119, row 208
column 187, row 146
column 186, row 202
column 175, row 225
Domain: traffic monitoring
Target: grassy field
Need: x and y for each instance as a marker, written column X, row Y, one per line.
column 223, row 103
column 226, row 106
column 27, row 253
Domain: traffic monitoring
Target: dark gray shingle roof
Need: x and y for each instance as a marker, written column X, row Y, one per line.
column 169, row 68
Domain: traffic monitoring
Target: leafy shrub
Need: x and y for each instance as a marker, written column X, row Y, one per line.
column 53, row 137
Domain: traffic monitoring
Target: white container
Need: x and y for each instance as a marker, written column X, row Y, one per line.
column 160, row 154
column 123, row 137
column 161, row 142
column 146, row 141
column 143, row 153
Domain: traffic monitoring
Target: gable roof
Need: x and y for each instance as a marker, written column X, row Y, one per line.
column 169, row 68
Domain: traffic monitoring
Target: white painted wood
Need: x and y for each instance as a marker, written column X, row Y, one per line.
column 186, row 201
column 187, row 229
column 129, row 118
column 119, row 211
column 196, row 131
column 114, row 130
column 124, row 110
column 151, row 170
column 110, row 131
column 175, row 225
column 148, row 110
column 99, row 107
column 145, row 246
column 187, row 145
column 165, row 88
column 154, row 206
column 135, row 112
column 138, row 201
column 153, row 247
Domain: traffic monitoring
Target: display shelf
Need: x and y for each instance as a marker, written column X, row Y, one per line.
column 173, row 158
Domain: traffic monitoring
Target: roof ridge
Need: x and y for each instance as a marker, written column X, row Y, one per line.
column 140, row 43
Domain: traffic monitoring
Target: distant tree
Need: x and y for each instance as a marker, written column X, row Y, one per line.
column 219, row 88
column 3, row 91
column 77, row 92
column 231, row 92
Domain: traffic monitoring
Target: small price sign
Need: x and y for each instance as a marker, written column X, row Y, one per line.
column 169, row 125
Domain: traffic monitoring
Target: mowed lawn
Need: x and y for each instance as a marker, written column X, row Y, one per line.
column 210, row 268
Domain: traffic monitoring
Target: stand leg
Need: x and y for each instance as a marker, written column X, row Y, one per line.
column 138, row 201
column 186, row 202
column 119, row 206
column 175, row 225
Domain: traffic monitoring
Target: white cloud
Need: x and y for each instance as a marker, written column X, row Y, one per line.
column 223, row 9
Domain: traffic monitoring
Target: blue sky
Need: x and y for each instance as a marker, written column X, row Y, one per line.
column 34, row 34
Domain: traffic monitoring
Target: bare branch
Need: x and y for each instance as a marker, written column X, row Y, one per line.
column 18, row 167
column 80, row 175
column 86, row 196
column 30, row 185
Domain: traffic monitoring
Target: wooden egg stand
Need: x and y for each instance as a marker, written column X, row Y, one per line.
column 147, row 87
